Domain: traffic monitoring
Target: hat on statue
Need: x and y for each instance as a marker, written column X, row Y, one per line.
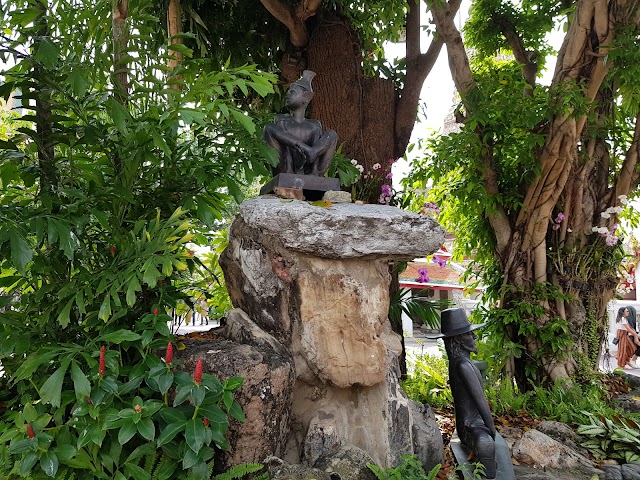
column 453, row 321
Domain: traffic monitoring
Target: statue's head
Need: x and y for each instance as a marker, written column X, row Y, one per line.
column 457, row 331
column 300, row 92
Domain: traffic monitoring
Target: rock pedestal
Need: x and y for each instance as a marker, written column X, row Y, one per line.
column 316, row 281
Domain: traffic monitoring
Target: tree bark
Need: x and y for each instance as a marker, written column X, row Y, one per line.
column 120, row 34
column 174, row 28
column 44, row 127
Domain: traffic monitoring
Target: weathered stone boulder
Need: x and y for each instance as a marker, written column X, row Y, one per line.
column 629, row 471
column 266, row 395
column 628, row 402
column 349, row 463
column 281, row 470
column 537, row 449
column 317, row 280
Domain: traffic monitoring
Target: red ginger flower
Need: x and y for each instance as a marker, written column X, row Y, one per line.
column 205, row 421
column 30, row 432
column 112, row 250
column 155, row 312
column 102, row 368
column 197, row 374
column 169, row 357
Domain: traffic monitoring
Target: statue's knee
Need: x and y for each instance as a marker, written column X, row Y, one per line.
column 484, row 443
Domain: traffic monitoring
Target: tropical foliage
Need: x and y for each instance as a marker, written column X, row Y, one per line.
column 116, row 168
column 534, row 178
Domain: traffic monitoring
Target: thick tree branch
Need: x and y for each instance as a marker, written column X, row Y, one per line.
column 463, row 79
column 413, row 31
column 294, row 20
column 418, row 70
column 458, row 60
column 628, row 174
column 525, row 58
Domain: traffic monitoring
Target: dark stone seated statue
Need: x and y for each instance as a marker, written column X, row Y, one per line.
column 474, row 423
column 302, row 146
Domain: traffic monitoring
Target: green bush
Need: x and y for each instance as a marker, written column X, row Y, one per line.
column 409, row 468
column 428, row 381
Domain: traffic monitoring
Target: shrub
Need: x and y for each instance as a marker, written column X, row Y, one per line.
column 428, row 381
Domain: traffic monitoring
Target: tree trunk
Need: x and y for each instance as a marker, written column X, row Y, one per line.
column 120, row 34
column 44, row 127
column 174, row 28
column 361, row 110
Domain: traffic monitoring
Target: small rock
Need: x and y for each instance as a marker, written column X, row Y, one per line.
column 349, row 462
column 628, row 402
column 284, row 192
column 556, row 430
column 281, row 470
column 337, row 196
column 536, row 448
column 511, row 435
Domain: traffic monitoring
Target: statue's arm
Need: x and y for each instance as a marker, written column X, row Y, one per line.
column 474, row 388
column 275, row 132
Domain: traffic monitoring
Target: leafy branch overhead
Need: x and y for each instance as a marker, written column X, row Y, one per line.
column 534, row 178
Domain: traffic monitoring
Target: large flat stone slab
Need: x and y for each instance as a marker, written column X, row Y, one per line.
column 312, row 186
column 343, row 230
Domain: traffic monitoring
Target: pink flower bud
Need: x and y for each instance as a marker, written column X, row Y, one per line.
column 197, row 374
column 169, row 357
column 102, row 368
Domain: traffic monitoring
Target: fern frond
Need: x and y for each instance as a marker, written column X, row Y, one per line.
column 239, row 471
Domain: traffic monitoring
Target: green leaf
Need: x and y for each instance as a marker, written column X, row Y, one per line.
column 132, row 288
column 189, row 116
column 197, row 395
column 28, row 462
column 51, row 390
column 194, row 434
column 119, row 114
column 49, row 463
column 164, row 381
column 81, row 384
column 65, row 452
column 244, row 120
column 169, row 432
column 190, row 459
column 147, row 429
column 78, row 83
column 134, row 471
column 105, row 308
column 151, row 275
column 127, row 431
column 24, row 445
column 234, row 190
column 182, row 395
column 233, row 383
column 29, row 413
column 47, row 53
column 261, row 89
column 236, row 412
column 21, row 252
column 64, row 316
column 120, row 336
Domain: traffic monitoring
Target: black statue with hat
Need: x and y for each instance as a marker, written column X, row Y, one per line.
column 474, row 423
